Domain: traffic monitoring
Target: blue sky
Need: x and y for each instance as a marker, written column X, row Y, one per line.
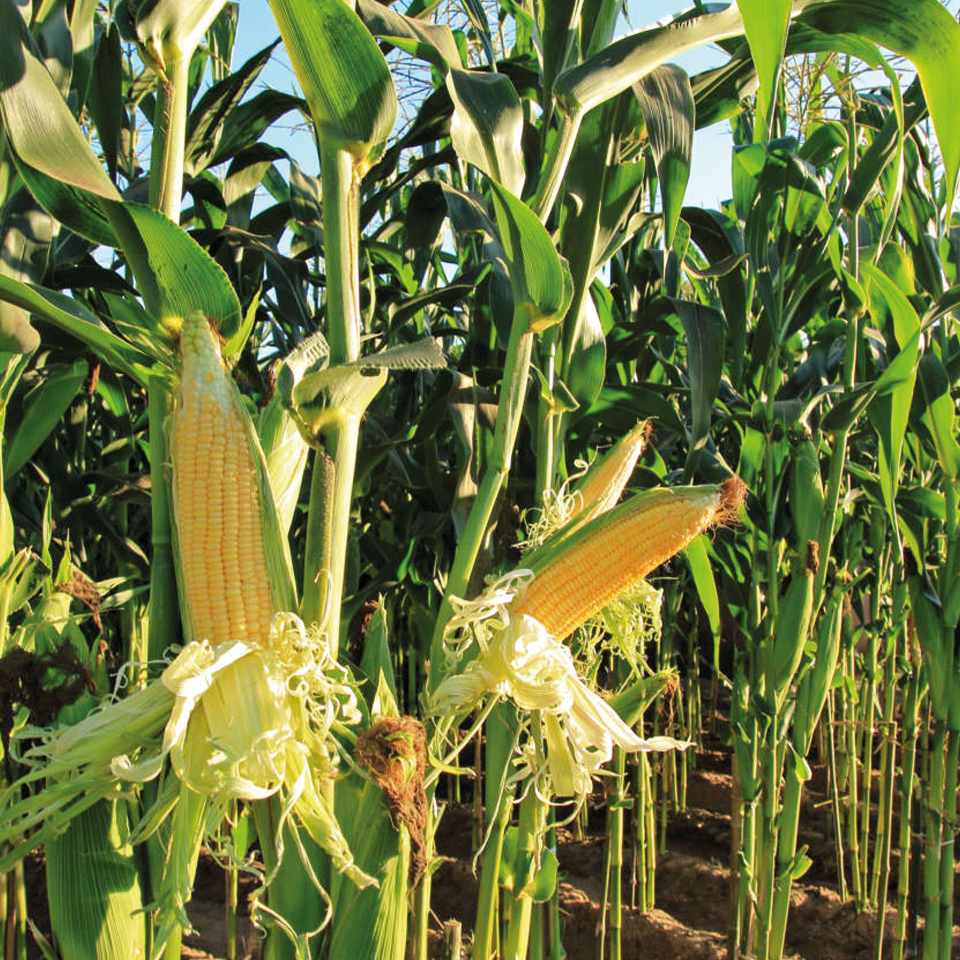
column 710, row 176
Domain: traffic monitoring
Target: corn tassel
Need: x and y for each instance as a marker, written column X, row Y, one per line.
column 614, row 551
column 230, row 588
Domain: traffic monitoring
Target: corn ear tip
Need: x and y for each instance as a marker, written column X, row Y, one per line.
column 733, row 495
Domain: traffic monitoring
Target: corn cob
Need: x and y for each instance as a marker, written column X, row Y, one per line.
column 225, row 583
column 616, row 550
column 600, row 488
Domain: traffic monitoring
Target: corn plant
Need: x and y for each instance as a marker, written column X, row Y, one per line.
column 282, row 515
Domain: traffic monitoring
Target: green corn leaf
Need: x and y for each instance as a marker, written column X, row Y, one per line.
column 765, row 23
column 925, row 33
column 558, row 30
column 74, row 318
column 80, row 212
column 588, row 357
column 541, row 280
column 624, row 62
column 175, row 275
column 105, row 95
column 890, row 413
column 207, row 119
column 703, row 327
column 487, row 125
column 939, row 413
column 347, row 82
column 420, row 38
column 666, row 100
column 96, row 907
column 45, row 406
column 702, row 572
column 37, row 121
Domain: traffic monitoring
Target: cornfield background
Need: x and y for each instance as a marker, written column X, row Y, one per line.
column 335, row 504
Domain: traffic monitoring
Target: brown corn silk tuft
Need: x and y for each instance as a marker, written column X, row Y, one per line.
column 394, row 750
column 616, row 550
column 217, row 501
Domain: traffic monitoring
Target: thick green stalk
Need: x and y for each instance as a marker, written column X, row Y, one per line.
column 768, row 841
column 169, row 132
column 797, row 774
column 533, row 812
column 316, row 596
column 341, row 230
column 163, row 630
column 501, row 738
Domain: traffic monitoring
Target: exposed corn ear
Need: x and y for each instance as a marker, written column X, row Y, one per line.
column 605, row 481
column 565, row 511
column 606, row 556
column 232, row 565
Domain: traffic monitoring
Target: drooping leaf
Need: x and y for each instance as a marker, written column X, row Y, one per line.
column 625, row 61
column 487, row 125
column 666, row 100
column 703, row 579
column 420, row 38
column 37, row 121
column 703, row 327
column 75, row 319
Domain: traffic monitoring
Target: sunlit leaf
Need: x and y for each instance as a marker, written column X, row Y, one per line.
column 765, row 23
column 36, row 119
column 346, row 81
column 540, row 278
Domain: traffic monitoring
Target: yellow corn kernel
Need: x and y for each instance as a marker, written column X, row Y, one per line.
column 606, row 479
column 224, row 579
column 618, row 549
